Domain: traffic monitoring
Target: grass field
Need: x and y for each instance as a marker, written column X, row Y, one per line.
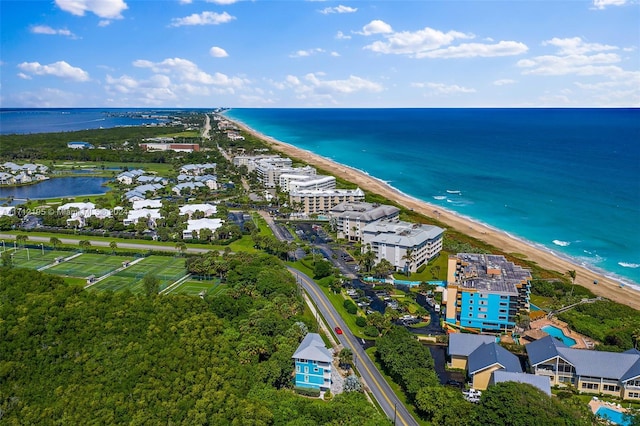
column 88, row 264
column 195, row 287
column 34, row 258
column 166, row 269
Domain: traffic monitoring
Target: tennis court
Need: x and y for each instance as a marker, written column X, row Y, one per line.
column 89, row 264
column 33, row 258
column 167, row 269
column 196, row 287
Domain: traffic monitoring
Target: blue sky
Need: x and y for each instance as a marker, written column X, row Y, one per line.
column 181, row 53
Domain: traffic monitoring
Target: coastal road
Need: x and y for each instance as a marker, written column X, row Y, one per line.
column 379, row 388
column 100, row 243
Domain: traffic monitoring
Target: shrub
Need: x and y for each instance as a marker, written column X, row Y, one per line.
column 308, row 391
column 361, row 321
column 350, row 307
column 371, row 331
column 421, row 268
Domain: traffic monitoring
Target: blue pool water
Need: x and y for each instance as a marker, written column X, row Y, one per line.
column 614, row 416
column 558, row 334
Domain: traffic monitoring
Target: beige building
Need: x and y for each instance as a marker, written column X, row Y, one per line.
column 350, row 218
column 314, row 201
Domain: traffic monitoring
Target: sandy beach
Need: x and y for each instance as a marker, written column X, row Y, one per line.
column 606, row 287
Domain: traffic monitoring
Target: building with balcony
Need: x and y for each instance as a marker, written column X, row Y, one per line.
column 485, row 292
column 313, row 201
column 405, row 245
column 597, row 372
column 349, row 218
column 313, row 363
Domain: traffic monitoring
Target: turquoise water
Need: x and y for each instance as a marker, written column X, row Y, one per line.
column 612, row 415
column 565, row 180
column 558, row 334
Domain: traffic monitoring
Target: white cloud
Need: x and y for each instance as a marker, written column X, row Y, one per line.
column 24, row 76
column 472, row 50
column 342, row 36
column 45, row 98
column 58, row 69
column 338, row 9
column 601, row 4
column 222, row 2
column 186, row 71
column 185, row 1
column 376, row 27
column 503, row 82
column 314, row 84
column 45, row 29
column 104, row 23
column 305, row 53
column 218, row 52
column 575, row 46
column 574, row 56
column 108, row 9
column 335, row 54
column 204, row 18
column 443, row 89
column 154, row 91
column 415, row 43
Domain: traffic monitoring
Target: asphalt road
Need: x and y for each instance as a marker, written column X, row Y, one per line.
column 95, row 243
column 378, row 387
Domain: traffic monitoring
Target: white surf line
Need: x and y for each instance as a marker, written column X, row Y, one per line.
column 66, row 259
column 172, row 287
column 115, row 271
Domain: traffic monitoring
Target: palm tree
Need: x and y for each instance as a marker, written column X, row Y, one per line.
column 181, row 246
column 409, row 258
column 84, row 244
column 55, row 242
column 113, row 245
column 572, row 274
column 22, row 239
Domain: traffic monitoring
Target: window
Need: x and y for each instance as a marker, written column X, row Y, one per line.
column 306, row 369
column 298, row 368
column 470, row 315
column 315, row 369
column 482, row 316
column 502, row 318
column 503, row 311
column 634, row 394
column 471, row 301
column 504, row 297
column 306, row 379
column 611, row 388
column 590, row 386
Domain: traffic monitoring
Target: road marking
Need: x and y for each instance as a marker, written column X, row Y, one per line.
column 373, row 378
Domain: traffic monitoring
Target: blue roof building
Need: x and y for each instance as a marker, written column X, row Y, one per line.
column 313, row 363
column 609, row 373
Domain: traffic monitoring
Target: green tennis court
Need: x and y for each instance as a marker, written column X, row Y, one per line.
column 89, row 264
column 195, row 288
column 167, row 269
column 36, row 258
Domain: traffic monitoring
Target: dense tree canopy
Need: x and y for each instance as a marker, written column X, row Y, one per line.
column 72, row 356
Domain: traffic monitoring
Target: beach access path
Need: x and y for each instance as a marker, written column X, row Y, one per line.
column 606, row 287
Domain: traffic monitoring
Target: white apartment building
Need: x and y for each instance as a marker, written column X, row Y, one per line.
column 300, row 183
column 391, row 239
column 350, row 218
column 313, row 201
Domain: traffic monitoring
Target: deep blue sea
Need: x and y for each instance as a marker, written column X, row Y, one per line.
column 567, row 180
column 53, row 120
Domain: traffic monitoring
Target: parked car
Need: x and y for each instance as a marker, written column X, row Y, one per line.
column 338, row 330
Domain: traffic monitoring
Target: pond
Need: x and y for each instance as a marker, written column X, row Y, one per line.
column 55, row 187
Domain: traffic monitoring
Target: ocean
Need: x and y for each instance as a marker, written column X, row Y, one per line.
column 565, row 180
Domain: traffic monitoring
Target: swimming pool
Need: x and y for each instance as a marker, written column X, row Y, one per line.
column 613, row 416
column 558, row 334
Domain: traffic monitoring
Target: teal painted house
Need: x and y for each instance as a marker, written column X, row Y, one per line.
column 313, row 363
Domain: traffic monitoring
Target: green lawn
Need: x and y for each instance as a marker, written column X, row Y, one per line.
column 88, row 264
column 167, row 269
column 35, row 258
column 427, row 274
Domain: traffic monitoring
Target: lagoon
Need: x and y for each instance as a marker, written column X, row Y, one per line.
column 56, row 187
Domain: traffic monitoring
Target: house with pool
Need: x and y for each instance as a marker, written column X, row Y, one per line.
column 485, row 292
column 596, row 372
column 313, row 363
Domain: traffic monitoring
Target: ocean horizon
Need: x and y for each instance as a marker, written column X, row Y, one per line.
column 564, row 180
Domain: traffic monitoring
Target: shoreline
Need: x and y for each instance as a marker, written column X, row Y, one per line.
column 608, row 287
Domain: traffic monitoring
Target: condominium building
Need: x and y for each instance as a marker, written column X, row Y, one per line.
column 313, row 201
column 485, row 292
column 405, row 245
column 350, row 217
column 302, row 183
column 313, row 363
column 597, row 372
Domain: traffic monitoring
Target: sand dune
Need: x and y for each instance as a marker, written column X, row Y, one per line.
column 606, row 287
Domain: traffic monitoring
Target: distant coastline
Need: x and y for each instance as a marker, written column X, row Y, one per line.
column 612, row 287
